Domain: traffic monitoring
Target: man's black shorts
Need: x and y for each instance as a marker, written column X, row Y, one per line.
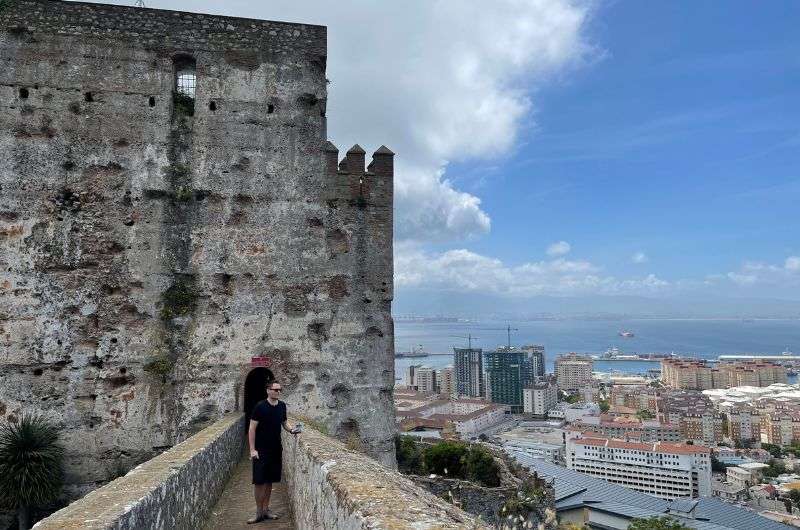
column 267, row 468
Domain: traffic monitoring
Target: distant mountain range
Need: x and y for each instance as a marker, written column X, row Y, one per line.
column 470, row 305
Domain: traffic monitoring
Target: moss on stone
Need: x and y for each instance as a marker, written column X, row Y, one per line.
column 183, row 194
column 159, row 365
column 178, row 300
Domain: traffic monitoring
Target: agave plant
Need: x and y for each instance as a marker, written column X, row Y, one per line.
column 31, row 472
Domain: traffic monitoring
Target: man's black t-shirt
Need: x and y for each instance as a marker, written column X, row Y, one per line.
column 268, row 430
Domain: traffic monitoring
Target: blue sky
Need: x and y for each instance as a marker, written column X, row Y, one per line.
column 677, row 140
column 653, row 147
column 682, row 141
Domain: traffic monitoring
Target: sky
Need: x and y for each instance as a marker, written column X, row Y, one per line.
column 572, row 148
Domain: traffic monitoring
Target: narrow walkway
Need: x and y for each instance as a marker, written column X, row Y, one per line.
column 236, row 505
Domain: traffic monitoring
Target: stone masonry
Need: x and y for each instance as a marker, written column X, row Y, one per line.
column 150, row 247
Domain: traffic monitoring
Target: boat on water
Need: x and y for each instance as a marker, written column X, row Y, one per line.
column 626, row 334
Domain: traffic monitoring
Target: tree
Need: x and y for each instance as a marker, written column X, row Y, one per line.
column 481, row 467
column 644, row 414
column 31, row 465
column 604, row 406
column 446, row 458
column 656, row 523
column 409, row 455
column 774, row 450
column 794, row 496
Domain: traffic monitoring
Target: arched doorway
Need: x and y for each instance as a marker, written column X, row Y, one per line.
column 255, row 388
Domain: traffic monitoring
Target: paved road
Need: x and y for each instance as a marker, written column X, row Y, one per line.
column 236, row 505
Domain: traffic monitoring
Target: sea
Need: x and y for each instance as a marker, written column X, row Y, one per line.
column 703, row 339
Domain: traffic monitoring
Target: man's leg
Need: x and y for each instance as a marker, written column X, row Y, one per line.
column 258, row 491
column 264, row 505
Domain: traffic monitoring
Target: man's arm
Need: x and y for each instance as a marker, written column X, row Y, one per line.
column 251, row 438
column 286, row 427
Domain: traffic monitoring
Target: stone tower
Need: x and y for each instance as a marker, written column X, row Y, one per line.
column 175, row 230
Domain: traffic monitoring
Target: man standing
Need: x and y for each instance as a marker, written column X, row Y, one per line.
column 264, row 436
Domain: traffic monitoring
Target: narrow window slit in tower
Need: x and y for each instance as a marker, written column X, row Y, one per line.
column 152, row 101
column 88, row 97
column 23, row 93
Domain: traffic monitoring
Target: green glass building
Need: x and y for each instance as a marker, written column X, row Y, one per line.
column 507, row 371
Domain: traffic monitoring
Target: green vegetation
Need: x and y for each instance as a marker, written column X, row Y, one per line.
column 176, row 171
column 774, row 450
column 182, row 105
column 775, row 468
column 656, row 523
column 570, row 398
column 604, row 405
column 159, row 365
column 183, row 194
column 644, row 414
column 449, row 459
column 31, row 465
column 409, row 455
column 178, row 300
column 794, row 497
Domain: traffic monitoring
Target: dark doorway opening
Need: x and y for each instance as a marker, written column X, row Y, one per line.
column 255, row 388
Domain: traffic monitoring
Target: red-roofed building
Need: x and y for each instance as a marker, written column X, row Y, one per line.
column 666, row 470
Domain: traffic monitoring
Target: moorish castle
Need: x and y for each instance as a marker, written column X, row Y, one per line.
column 175, row 230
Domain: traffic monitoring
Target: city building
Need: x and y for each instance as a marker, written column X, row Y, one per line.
column 636, row 397
column 537, row 357
column 694, row 374
column 694, row 413
column 467, row 418
column 408, row 376
column 570, row 412
column 468, row 370
column 540, row 398
column 745, row 475
column 666, row 470
column 780, row 428
column 573, row 372
column 744, row 423
column 507, row 371
column 631, row 429
column 588, row 501
column 445, row 380
column 425, row 379
column 535, row 440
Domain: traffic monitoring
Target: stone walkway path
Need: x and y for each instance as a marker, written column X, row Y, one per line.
column 236, row 504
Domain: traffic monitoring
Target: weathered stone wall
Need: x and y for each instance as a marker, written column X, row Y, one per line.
column 332, row 487
column 147, row 255
column 175, row 490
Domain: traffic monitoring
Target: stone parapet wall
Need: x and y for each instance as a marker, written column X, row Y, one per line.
column 332, row 487
column 174, row 490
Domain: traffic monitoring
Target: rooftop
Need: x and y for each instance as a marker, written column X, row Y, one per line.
column 576, row 490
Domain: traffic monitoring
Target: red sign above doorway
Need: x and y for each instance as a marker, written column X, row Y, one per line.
column 260, row 361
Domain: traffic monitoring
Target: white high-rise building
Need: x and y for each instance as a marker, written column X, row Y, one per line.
column 468, row 370
column 540, row 398
column 666, row 470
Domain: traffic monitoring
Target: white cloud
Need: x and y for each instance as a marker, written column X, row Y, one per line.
column 639, row 257
column 559, row 248
column 436, row 81
column 759, row 273
column 464, row 270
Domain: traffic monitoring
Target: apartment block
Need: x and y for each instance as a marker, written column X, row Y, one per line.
column 425, row 379
column 540, row 398
column 468, row 370
column 644, row 431
column 665, row 470
column 573, row 371
column 636, row 397
column 693, row 374
column 744, row 423
column 445, row 379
